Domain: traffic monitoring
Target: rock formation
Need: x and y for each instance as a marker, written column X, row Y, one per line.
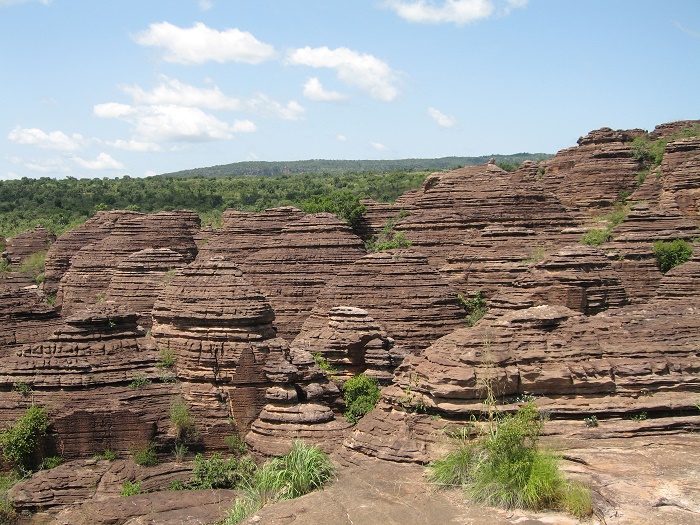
column 23, row 245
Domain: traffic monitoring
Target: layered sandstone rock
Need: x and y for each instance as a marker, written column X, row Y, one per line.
column 292, row 268
column 680, row 172
column 231, row 364
column 243, row 233
column 400, row 290
column 92, row 268
column 582, row 176
column 141, row 278
column 352, row 343
column 22, row 246
column 67, row 245
column 98, row 378
column 25, row 317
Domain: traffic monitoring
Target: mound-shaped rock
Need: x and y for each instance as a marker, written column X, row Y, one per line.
column 25, row 317
column 67, row 245
column 23, row 245
column 92, row 268
column 292, row 268
column 352, row 343
column 400, row 290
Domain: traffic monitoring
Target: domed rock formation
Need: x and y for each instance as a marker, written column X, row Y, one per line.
column 294, row 267
column 400, row 290
column 91, row 269
column 23, row 245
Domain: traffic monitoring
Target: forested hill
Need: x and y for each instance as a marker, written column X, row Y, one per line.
column 265, row 169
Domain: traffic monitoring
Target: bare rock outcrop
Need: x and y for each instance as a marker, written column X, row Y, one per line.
column 92, row 268
column 400, row 290
column 68, row 244
column 292, row 268
column 25, row 317
column 23, row 245
column 352, row 343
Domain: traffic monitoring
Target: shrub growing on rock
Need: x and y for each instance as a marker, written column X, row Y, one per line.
column 671, row 254
column 20, row 441
column 361, row 394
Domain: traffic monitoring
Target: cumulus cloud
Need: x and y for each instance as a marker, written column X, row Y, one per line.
column 457, row 12
column 54, row 165
column 378, row 146
column 265, row 106
column 314, row 90
column 134, row 145
column 52, row 140
column 173, row 92
column 441, row 119
column 103, row 162
column 363, row 71
column 200, row 44
column 165, row 123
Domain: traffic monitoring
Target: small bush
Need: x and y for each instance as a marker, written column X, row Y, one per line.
column 23, row 388
column 146, row 456
column 139, row 381
column 218, row 473
column 595, row 237
column 323, row 364
column 475, row 307
column 7, row 511
column 590, row 421
column 20, row 441
column 51, row 462
column 236, row 445
column 131, row 488
column 183, row 421
column 361, row 395
column 108, row 454
column 388, row 239
column 671, row 254
column 167, row 359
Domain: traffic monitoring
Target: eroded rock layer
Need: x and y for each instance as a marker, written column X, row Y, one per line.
column 294, row 267
column 92, row 268
column 401, row 291
column 23, row 245
column 25, row 317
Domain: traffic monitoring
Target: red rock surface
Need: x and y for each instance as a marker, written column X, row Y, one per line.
column 24, row 317
column 291, row 269
column 92, row 268
column 23, row 245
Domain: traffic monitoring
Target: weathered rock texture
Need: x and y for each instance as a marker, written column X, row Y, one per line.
column 92, row 268
column 243, row 233
column 22, row 246
column 400, row 290
column 292, row 268
column 67, row 245
column 352, row 343
column 24, row 317
column 220, row 329
column 97, row 376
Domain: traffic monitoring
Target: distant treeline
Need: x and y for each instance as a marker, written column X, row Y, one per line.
column 335, row 167
column 62, row 204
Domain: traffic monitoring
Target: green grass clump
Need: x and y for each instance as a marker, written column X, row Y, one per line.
column 303, row 470
column 216, row 472
column 361, row 395
column 475, row 307
column 672, row 254
column 595, row 237
column 35, row 263
column 183, row 421
column 7, row 511
column 505, row 468
column 146, row 456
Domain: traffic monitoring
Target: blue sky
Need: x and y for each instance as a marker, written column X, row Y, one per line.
column 109, row 88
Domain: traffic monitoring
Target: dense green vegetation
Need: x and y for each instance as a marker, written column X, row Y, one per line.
column 671, row 254
column 21, row 440
column 361, row 393
column 334, row 186
column 504, row 467
column 336, row 167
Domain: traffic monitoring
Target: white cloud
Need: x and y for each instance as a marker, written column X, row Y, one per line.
column 265, row 106
column 52, row 140
column 205, row 5
column 102, row 162
column 173, row 92
column 363, row 71
column 341, row 138
column 244, row 126
column 200, row 44
column 134, row 145
column 687, row 31
column 10, row 175
column 378, row 146
column 164, row 123
column 457, row 12
column 55, row 165
column 314, row 90
column 442, row 120
column 7, row 3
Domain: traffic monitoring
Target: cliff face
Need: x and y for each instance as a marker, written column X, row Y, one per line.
column 233, row 322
